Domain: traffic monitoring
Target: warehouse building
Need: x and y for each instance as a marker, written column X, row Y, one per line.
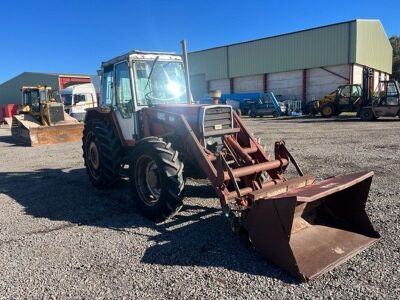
column 10, row 91
column 303, row 65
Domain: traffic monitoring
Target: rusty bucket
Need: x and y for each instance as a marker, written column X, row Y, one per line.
column 307, row 231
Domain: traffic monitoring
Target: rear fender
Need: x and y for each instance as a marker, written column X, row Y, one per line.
column 106, row 114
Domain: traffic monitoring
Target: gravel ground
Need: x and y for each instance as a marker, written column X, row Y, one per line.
column 61, row 238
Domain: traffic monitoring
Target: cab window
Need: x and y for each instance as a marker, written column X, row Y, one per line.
column 107, row 87
column 123, row 93
column 392, row 97
column 345, row 91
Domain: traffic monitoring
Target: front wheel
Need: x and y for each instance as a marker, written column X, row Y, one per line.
column 252, row 113
column 156, row 176
column 328, row 110
column 367, row 114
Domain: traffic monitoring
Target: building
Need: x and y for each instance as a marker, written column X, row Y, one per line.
column 10, row 91
column 303, row 65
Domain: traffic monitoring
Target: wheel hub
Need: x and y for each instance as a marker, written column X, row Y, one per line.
column 152, row 179
column 94, row 155
column 148, row 180
column 327, row 110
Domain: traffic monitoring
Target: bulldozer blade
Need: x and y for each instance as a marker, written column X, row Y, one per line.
column 307, row 231
column 29, row 131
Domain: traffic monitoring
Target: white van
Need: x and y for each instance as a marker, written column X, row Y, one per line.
column 77, row 98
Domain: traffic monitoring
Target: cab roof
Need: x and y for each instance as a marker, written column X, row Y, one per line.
column 138, row 54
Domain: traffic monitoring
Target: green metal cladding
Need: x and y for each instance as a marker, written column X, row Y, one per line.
column 360, row 41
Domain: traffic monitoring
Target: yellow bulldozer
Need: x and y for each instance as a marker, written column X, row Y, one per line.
column 42, row 120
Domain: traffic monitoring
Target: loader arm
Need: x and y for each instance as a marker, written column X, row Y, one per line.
column 305, row 226
column 234, row 172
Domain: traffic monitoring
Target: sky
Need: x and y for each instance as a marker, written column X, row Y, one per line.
column 75, row 36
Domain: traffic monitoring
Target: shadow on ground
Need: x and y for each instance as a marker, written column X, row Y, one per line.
column 11, row 141
column 198, row 236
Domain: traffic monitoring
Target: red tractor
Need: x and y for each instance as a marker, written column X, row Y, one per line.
column 146, row 120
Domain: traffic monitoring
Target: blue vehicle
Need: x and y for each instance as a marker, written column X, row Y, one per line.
column 255, row 104
column 252, row 104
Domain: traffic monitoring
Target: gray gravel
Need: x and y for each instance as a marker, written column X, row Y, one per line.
column 61, row 238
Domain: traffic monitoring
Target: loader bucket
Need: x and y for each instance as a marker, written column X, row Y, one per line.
column 29, row 131
column 308, row 231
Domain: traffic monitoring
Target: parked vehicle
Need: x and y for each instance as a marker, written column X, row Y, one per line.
column 42, row 120
column 384, row 102
column 148, row 122
column 78, row 98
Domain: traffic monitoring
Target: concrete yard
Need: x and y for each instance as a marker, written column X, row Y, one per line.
column 62, row 238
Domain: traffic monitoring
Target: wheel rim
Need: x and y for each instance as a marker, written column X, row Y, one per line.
column 327, row 110
column 148, row 180
column 93, row 157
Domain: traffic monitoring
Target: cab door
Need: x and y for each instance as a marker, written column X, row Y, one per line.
column 124, row 102
column 388, row 102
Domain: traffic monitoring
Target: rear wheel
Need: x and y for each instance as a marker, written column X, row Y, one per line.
column 252, row 113
column 367, row 114
column 328, row 110
column 101, row 153
column 156, row 176
column 239, row 112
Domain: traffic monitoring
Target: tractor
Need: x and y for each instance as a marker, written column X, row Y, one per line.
column 148, row 122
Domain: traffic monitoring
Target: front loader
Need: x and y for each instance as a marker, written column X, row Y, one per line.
column 147, row 121
column 43, row 120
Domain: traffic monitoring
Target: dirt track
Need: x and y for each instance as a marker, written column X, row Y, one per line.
column 60, row 237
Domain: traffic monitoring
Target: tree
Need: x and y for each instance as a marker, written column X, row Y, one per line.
column 395, row 41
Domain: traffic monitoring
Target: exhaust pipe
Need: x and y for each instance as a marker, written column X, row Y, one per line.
column 187, row 77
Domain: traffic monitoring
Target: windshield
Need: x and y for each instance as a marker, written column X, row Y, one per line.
column 164, row 84
column 30, row 97
column 66, row 99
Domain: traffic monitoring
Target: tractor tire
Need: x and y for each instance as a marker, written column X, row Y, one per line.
column 366, row 114
column 238, row 112
column 101, row 153
column 328, row 110
column 156, row 176
column 252, row 113
column 275, row 114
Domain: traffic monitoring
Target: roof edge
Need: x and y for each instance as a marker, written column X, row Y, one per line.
column 283, row 34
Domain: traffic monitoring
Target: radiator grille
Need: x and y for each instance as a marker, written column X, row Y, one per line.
column 217, row 118
column 56, row 113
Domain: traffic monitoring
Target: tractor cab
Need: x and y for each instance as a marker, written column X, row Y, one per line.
column 139, row 79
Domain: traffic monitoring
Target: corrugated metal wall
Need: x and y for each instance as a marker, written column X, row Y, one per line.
column 373, row 47
column 302, row 50
column 362, row 42
column 220, row 84
column 10, row 90
column 212, row 62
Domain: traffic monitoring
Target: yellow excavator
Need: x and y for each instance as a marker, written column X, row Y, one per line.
column 42, row 120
